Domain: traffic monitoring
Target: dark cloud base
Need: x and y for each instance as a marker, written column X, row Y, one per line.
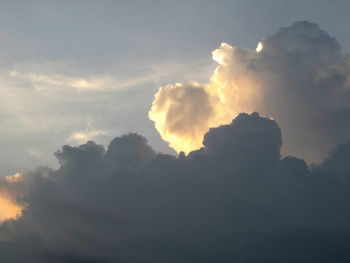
column 234, row 200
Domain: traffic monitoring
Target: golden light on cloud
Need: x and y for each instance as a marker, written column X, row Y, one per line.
column 14, row 178
column 8, row 209
column 183, row 113
column 222, row 54
column 84, row 136
column 10, row 187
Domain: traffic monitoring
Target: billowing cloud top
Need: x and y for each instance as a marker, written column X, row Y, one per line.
column 299, row 76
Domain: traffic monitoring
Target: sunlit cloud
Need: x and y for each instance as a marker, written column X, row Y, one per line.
column 183, row 113
column 298, row 76
column 14, row 178
column 259, row 47
column 8, row 209
column 84, row 136
column 45, row 103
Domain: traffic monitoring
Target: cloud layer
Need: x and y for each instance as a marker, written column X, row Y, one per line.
column 299, row 76
column 234, row 197
column 234, row 200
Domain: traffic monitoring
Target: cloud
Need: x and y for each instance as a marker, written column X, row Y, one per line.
column 45, row 103
column 44, row 81
column 180, row 112
column 299, row 76
column 232, row 197
column 84, row 136
column 42, row 105
column 9, row 208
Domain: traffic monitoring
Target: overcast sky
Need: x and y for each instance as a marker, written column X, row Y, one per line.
column 71, row 71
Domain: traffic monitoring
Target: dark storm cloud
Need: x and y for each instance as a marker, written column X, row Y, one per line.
column 234, row 200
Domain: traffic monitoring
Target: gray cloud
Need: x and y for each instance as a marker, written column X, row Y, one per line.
column 235, row 199
column 305, row 76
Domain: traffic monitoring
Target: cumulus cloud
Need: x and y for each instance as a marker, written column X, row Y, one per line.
column 233, row 200
column 182, row 114
column 299, row 76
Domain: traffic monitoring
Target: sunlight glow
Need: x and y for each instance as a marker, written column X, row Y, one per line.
column 13, row 178
column 8, row 209
column 259, row 47
column 84, row 136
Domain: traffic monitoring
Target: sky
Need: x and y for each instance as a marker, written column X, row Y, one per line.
column 71, row 71
column 163, row 131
